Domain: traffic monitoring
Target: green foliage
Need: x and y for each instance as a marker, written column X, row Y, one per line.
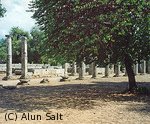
column 38, row 50
column 35, row 46
column 16, row 33
column 2, row 50
column 2, row 41
column 2, row 10
column 131, row 31
column 93, row 30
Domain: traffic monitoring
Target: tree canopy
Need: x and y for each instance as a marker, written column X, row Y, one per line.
column 94, row 30
column 35, row 46
column 35, row 39
column 16, row 33
column 2, row 10
column 2, row 51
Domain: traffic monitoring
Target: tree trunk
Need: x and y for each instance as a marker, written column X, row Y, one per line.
column 130, row 73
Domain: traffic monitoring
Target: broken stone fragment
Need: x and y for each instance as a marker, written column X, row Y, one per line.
column 9, row 87
column 44, row 81
column 23, row 81
column 64, row 78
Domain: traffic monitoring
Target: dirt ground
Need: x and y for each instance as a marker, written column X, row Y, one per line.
column 88, row 101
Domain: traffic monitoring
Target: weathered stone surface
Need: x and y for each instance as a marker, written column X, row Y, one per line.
column 9, row 87
column 64, row 78
column 9, row 58
column 74, row 69
column 30, row 66
column 2, row 67
column 66, row 69
column 100, row 70
column 23, row 82
column 81, row 70
column 135, row 68
column 24, row 58
column 17, row 72
column 143, row 67
column 117, row 70
column 107, row 71
column 125, row 73
column 111, row 69
column 90, row 69
column 94, row 70
column 44, row 81
column 50, row 72
column 148, row 67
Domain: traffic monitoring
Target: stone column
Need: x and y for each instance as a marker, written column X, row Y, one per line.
column 107, row 71
column 117, row 70
column 24, row 58
column 66, row 69
column 81, row 70
column 148, row 67
column 9, row 58
column 112, row 68
column 74, row 69
column 94, row 70
column 125, row 73
column 143, row 67
column 90, row 69
column 135, row 67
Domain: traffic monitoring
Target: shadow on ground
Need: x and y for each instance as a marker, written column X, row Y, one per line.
column 75, row 96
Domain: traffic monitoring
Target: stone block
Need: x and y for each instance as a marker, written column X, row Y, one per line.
column 51, row 72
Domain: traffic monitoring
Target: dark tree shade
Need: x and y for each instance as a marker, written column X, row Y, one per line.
column 92, row 30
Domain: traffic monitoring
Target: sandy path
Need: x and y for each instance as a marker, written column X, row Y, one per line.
column 89, row 101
